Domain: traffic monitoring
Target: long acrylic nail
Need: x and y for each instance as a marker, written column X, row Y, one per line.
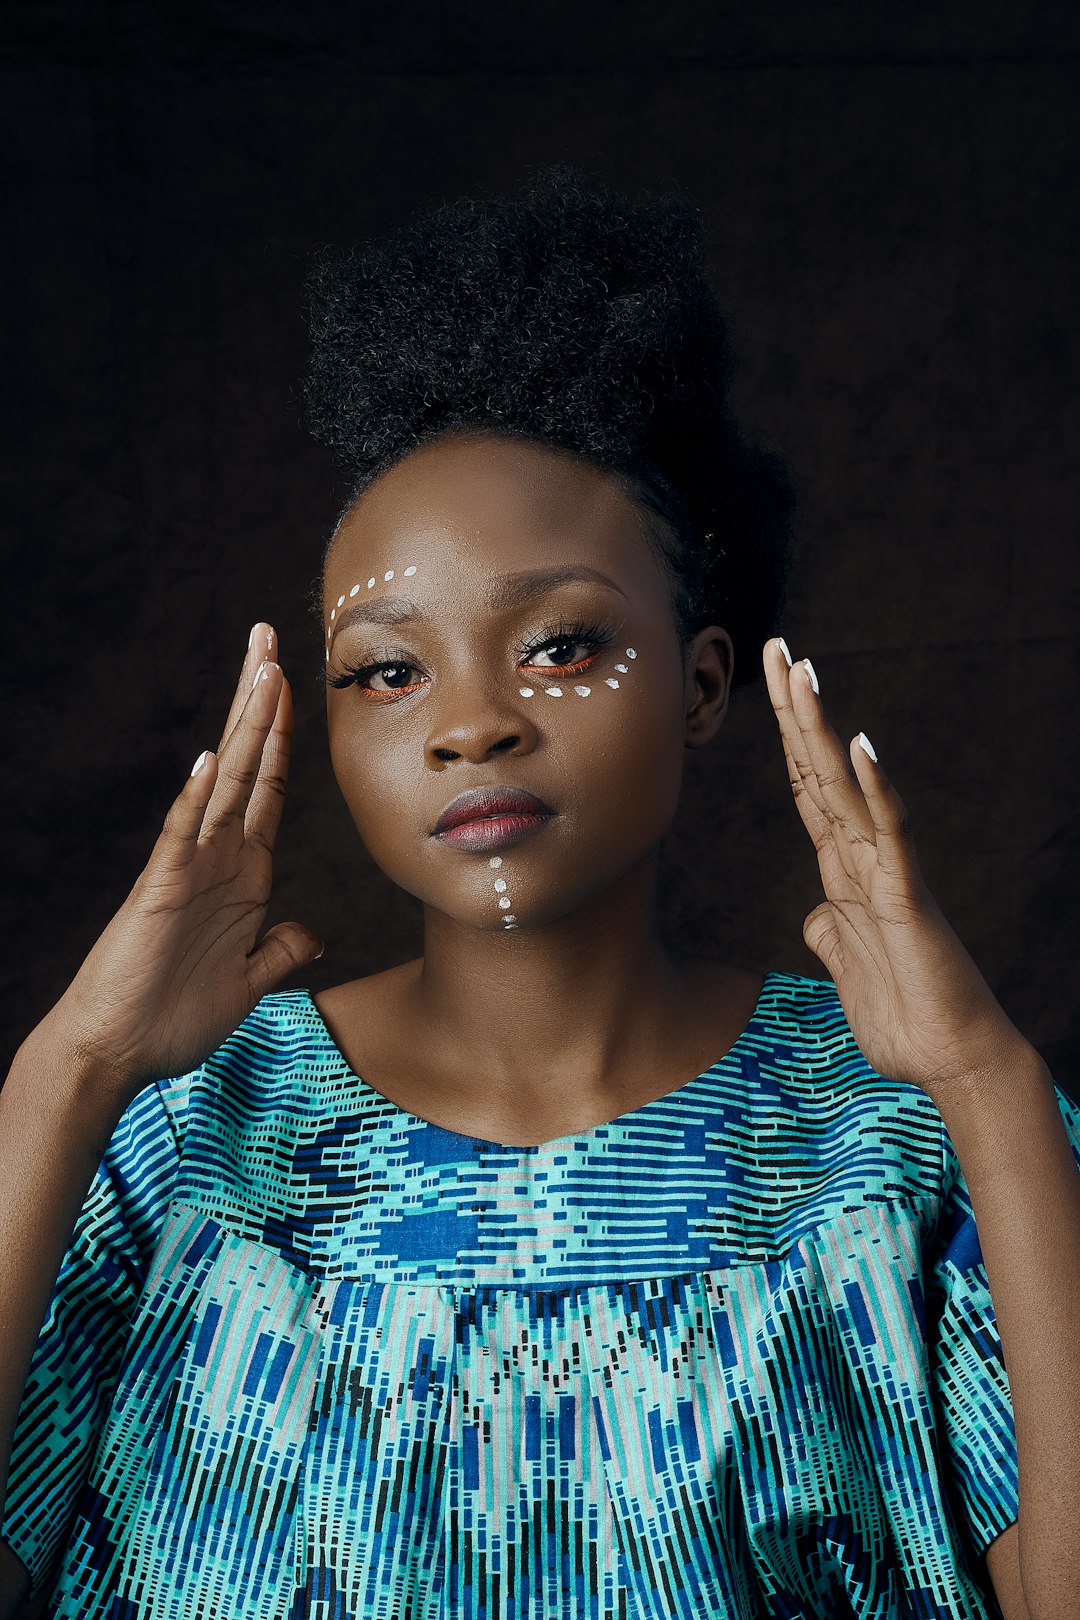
column 261, row 676
column 810, row 671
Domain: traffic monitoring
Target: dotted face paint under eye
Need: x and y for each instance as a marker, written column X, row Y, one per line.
column 582, row 691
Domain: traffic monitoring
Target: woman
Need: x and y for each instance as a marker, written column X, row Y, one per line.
column 561, row 1271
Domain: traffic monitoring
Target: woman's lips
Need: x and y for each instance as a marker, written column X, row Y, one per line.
column 492, row 832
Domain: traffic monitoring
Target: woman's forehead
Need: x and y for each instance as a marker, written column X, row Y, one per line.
column 488, row 504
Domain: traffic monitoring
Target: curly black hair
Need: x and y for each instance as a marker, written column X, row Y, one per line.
column 580, row 318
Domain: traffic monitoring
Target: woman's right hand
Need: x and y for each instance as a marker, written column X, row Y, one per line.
column 178, row 969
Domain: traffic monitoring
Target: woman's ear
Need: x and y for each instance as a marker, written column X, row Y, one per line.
column 710, row 663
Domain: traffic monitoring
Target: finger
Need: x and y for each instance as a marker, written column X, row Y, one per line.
column 282, row 948
column 800, row 776
column 830, row 779
column 896, row 852
column 261, row 644
column 179, row 837
column 239, row 760
column 267, row 801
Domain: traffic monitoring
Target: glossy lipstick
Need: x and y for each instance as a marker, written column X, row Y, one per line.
column 491, row 818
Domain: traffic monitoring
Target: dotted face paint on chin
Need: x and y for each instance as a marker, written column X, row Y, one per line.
column 505, row 902
column 354, row 590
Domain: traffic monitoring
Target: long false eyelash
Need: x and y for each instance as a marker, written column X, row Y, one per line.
column 358, row 672
column 588, row 633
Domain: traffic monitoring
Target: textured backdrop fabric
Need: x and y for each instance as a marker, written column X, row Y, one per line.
column 730, row 1354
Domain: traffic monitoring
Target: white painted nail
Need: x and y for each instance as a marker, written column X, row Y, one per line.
column 865, row 743
column 782, row 644
column 810, row 671
column 198, row 765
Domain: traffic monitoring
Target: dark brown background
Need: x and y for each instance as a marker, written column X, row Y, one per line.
column 891, row 195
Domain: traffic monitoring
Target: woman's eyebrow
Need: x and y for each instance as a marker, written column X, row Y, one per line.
column 508, row 591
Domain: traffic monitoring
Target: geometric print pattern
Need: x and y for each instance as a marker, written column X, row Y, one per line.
column 732, row 1354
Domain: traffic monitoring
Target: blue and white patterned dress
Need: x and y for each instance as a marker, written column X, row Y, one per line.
column 732, row 1354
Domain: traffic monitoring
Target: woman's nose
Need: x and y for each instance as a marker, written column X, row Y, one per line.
column 475, row 730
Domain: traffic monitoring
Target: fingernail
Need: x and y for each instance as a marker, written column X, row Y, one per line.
column 261, row 676
column 782, row 644
column 251, row 635
column 865, row 743
column 810, row 671
column 198, row 765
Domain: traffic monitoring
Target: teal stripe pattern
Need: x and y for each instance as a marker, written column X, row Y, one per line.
column 312, row 1357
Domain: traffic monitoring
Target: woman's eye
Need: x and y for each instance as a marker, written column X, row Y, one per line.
column 395, row 676
column 569, row 645
column 393, row 673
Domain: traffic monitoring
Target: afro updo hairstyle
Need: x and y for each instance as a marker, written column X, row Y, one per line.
column 575, row 317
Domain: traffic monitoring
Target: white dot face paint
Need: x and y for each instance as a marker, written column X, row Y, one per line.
column 621, row 668
column 611, row 681
column 582, row 691
column 353, row 590
column 410, row 571
column 553, row 691
column 500, row 885
column 495, row 862
column 526, row 691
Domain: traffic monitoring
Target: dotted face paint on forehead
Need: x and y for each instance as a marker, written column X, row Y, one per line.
column 354, row 590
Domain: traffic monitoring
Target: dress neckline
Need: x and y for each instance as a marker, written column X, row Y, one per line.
column 731, row 1057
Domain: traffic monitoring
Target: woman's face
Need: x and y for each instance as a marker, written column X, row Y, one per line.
column 491, row 676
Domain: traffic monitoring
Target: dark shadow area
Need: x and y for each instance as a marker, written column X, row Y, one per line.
column 893, row 225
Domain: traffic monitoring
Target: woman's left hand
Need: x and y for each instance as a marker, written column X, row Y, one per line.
column 917, row 1005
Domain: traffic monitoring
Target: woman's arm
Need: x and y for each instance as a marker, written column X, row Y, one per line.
column 1024, row 1186
column 54, row 1128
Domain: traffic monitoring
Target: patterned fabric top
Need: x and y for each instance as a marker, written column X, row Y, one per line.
column 732, row 1354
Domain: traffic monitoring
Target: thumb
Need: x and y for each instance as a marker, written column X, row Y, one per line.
column 282, row 949
column 820, row 932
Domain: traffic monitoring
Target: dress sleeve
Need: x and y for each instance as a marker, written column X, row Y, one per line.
column 967, row 1370
column 76, row 1362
